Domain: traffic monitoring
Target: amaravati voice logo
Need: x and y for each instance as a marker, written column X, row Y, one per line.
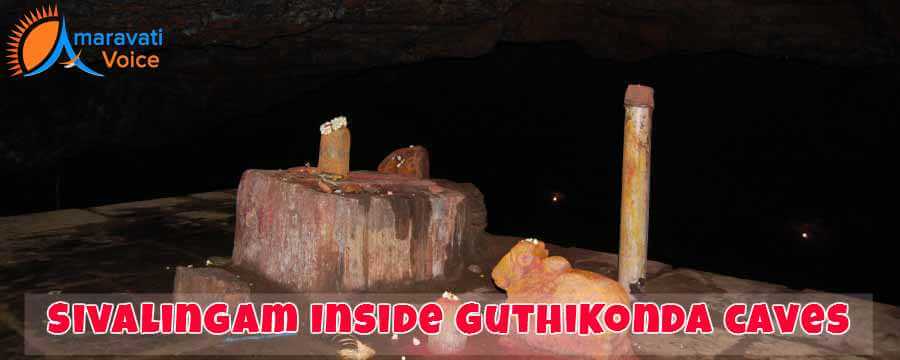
column 38, row 41
column 41, row 38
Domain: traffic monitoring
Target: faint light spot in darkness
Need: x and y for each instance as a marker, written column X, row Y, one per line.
column 805, row 235
column 556, row 198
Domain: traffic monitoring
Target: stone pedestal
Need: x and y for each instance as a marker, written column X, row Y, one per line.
column 390, row 231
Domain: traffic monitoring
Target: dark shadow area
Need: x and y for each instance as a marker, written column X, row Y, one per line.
column 763, row 168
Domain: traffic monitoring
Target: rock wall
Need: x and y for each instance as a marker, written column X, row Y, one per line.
column 227, row 62
column 374, row 32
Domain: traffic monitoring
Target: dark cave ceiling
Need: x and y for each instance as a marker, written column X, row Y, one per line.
column 354, row 33
column 227, row 59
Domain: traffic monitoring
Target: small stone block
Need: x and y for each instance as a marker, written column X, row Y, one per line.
column 208, row 285
column 409, row 161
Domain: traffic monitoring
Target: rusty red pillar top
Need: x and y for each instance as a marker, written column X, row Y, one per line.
column 639, row 95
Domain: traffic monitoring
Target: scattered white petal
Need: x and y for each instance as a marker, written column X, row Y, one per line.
column 325, row 128
column 416, row 341
column 449, row 296
column 395, row 337
column 338, row 122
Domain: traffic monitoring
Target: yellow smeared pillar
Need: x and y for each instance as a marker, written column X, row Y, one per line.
column 635, row 187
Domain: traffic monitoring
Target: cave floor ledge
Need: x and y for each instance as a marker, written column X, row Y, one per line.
column 136, row 248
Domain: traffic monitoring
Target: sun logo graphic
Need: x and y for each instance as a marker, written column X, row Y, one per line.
column 38, row 41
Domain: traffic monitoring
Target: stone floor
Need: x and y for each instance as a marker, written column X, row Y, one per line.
column 136, row 247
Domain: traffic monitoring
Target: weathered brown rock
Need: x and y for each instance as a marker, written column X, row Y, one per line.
column 207, row 285
column 396, row 231
column 409, row 161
